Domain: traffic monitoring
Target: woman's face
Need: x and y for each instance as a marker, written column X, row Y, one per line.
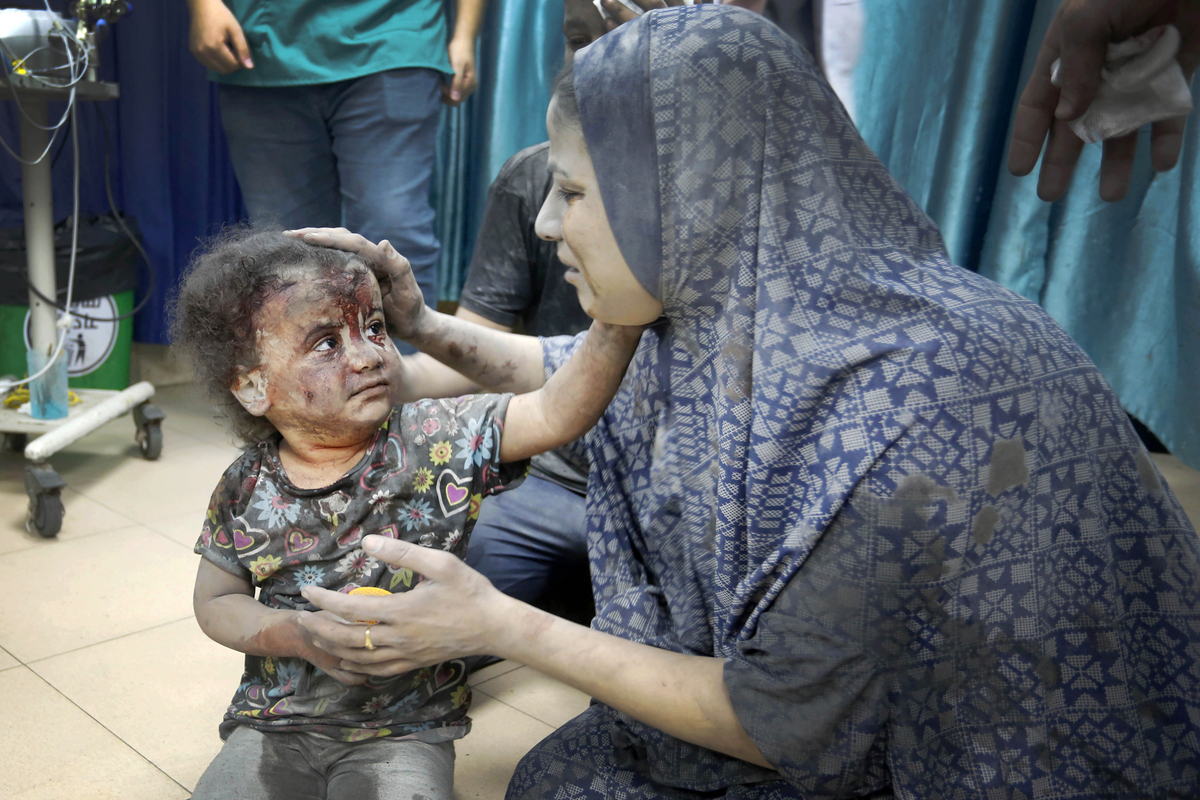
column 574, row 216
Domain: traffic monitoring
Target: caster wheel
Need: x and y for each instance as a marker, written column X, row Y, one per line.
column 148, row 419
column 149, row 439
column 46, row 514
column 44, row 488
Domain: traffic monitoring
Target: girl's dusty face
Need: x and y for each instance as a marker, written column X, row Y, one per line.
column 325, row 359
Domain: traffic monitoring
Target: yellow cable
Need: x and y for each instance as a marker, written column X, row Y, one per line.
column 20, row 396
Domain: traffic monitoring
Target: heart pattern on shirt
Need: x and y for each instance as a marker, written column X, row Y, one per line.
column 298, row 542
column 247, row 545
column 454, row 493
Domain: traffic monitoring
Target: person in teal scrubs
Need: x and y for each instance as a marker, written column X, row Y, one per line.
column 331, row 109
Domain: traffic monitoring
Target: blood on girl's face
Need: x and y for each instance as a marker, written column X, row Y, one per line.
column 326, row 358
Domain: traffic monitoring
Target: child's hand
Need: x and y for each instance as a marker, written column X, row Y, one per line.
column 403, row 302
column 329, row 664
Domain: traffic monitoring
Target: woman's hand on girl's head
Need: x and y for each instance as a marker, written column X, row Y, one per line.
column 403, row 302
column 450, row 614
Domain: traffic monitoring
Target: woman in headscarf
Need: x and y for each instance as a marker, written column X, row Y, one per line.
column 862, row 523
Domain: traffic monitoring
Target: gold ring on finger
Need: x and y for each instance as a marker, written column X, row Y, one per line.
column 368, row 643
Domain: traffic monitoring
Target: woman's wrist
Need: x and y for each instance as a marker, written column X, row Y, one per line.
column 514, row 629
column 425, row 329
column 624, row 335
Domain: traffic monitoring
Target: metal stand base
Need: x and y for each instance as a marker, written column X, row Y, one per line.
column 99, row 407
column 42, row 483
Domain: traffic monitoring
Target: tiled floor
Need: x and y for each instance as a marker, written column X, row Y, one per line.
column 109, row 688
column 111, row 691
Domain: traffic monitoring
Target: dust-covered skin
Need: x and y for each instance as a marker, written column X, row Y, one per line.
column 326, row 365
column 574, row 216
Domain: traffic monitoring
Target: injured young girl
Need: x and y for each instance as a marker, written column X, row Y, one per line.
column 292, row 341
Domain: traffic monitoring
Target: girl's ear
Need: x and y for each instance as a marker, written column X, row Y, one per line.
column 250, row 389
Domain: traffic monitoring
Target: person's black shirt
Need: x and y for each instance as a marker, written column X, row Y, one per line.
column 516, row 279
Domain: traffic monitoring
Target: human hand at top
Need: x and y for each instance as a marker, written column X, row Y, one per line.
column 618, row 13
column 403, row 302
column 1080, row 34
column 462, row 59
column 216, row 38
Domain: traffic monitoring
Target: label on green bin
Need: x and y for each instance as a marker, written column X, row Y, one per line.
column 96, row 349
column 93, row 334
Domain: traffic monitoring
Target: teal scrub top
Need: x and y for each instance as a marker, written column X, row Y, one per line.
column 298, row 42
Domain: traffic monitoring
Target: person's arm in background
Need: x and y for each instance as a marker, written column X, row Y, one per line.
column 216, row 38
column 468, row 21
column 1080, row 34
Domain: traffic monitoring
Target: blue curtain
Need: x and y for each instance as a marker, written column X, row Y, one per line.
column 170, row 166
column 936, row 89
column 520, row 50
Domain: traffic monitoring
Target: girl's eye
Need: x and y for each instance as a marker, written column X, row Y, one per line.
column 328, row 343
column 566, row 196
column 377, row 328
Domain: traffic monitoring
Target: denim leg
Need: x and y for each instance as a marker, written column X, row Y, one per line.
column 526, row 536
column 384, row 129
column 282, row 154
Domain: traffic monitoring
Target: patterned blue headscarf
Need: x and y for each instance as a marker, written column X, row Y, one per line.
column 896, row 498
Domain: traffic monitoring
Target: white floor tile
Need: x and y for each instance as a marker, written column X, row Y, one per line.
column 76, row 593
column 486, row 757
column 170, row 718
column 51, row 750
column 543, row 698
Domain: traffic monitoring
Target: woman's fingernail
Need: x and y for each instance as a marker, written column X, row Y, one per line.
column 1065, row 109
column 454, row 95
column 371, row 543
column 249, row 64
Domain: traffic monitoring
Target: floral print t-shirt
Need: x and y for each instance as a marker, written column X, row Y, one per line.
column 422, row 480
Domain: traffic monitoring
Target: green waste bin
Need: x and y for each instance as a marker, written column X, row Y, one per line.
column 97, row 351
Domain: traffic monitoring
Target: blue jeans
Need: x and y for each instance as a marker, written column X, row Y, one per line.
column 357, row 153
column 532, row 541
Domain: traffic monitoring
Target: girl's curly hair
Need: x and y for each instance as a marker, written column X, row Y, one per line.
column 213, row 313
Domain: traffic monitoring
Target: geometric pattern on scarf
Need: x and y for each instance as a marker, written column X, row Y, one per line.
column 896, row 498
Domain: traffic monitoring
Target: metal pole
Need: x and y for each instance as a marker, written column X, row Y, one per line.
column 39, row 226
